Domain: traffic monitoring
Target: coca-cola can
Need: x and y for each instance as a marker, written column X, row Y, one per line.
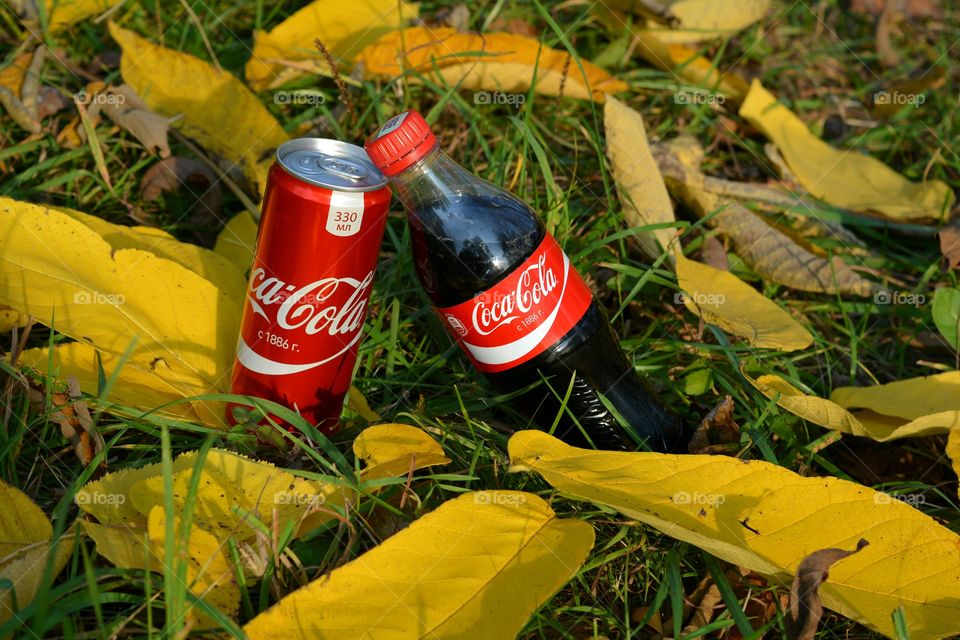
column 321, row 224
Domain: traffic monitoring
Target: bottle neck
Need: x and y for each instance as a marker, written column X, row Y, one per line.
column 436, row 179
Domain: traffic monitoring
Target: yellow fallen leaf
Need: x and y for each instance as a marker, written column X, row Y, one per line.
column 231, row 486
column 641, row 190
column 60, row 271
column 344, row 28
column 698, row 20
column 233, row 491
column 766, row 518
column 109, row 499
column 143, row 388
column 395, row 449
column 908, row 399
column 211, row 265
column 721, row 298
column 215, row 107
column 237, row 240
column 477, row 567
column 11, row 76
column 124, row 546
column 488, row 61
column 25, row 549
column 358, row 403
column 63, row 13
column 10, row 318
column 845, row 178
column 209, row 574
column 386, row 450
column 871, row 423
column 953, row 450
column 688, row 65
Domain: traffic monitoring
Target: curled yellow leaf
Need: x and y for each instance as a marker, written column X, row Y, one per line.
column 688, row 65
column 396, row 449
column 903, row 409
column 286, row 52
column 641, row 190
column 844, row 178
column 487, row 61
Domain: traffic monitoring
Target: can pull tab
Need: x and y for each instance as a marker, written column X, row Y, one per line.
column 343, row 169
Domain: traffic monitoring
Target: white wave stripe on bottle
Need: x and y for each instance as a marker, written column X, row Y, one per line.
column 506, row 353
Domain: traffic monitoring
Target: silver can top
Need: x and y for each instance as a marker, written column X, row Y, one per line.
column 330, row 163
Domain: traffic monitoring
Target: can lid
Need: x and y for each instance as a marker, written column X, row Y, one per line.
column 330, row 163
column 401, row 141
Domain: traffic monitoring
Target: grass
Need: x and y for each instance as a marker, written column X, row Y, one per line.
column 818, row 59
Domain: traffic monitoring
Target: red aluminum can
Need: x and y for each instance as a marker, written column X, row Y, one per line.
column 321, row 224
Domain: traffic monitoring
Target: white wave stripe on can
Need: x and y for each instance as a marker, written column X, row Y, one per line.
column 259, row 364
column 505, row 353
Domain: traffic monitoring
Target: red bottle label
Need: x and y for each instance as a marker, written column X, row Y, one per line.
column 524, row 314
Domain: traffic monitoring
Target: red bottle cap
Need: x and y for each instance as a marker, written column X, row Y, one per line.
column 404, row 139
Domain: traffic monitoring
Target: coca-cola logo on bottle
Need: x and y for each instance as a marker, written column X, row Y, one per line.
column 494, row 309
column 334, row 307
column 523, row 314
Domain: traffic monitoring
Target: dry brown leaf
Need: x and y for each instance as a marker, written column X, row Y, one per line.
column 887, row 26
column 950, row 244
column 125, row 108
column 912, row 8
column 717, row 428
column 175, row 173
column 76, row 424
column 806, row 609
column 767, row 249
column 714, row 254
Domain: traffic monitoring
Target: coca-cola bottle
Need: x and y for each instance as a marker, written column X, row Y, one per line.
column 512, row 300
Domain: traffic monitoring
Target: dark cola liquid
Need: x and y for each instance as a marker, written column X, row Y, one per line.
column 465, row 243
